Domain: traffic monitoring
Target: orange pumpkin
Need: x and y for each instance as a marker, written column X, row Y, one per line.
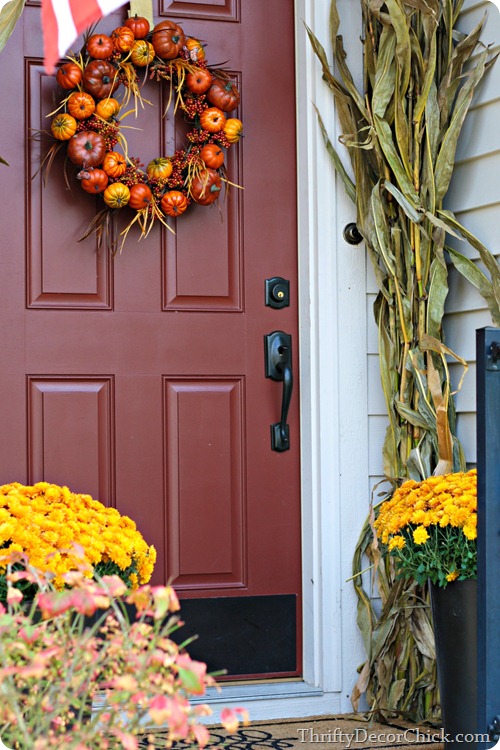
column 107, row 108
column 140, row 196
column 174, row 203
column 159, row 168
column 199, row 81
column 213, row 120
column 233, row 130
column 205, row 188
column 168, row 39
column 81, row 105
column 139, row 25
column 212, row 155
column 142, row 53
column 69, row 76
column 114, row 164
column 95, row 182
column 63, row 126
column 223, row 94
column 86, row 148
column 116, row 195
column 100, row 46
column 123, row 38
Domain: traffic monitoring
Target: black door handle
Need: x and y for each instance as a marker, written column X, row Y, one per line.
column 278, row 360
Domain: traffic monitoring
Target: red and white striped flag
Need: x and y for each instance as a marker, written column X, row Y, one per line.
column 64, row 20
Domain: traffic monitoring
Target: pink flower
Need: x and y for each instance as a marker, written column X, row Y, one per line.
column 229, row 718
column 14, row 596
column 201, row 734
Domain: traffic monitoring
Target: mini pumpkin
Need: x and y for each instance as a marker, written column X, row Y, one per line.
column 114, row 164
column 142, row 53
column 212, row 119
column 81, row 105
column 199, row 81
column 160, row 168
column 100, row 78
column 63, row 126
column 212, row 155
column 95, row 181
column 224, row 95
column 139, row 25
column 123, row 38
column 140, row 196
column 100, row 46
column 168, row 39
column 233, row 130
column 116, row 195
column 205, row 188
column 174, row 203
column 107, row 108
column 69, row 76
column 86, row 148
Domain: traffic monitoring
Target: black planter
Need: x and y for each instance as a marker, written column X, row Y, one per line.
column 454, row 612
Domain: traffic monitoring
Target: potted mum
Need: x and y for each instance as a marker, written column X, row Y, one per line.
column 430, row 529
column 59, row 530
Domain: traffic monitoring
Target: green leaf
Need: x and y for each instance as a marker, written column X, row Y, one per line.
column 438, row 291
column 384, row 134
column 9, row 16
column 2, row 161
column 411, row 209
column 489, row 260
column 446, row 157
column 399, row 22
column 428, row 81
column 385, row 73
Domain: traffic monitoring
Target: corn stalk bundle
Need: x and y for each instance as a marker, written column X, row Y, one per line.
column 401, row 134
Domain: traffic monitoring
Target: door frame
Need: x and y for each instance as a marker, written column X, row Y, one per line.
column 333, row 402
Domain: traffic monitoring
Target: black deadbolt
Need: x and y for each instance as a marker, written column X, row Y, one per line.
column 277, row 292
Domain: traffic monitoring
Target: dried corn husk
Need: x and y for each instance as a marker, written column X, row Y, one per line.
column 401, row 134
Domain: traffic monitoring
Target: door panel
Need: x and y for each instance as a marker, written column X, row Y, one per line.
column 140, row 378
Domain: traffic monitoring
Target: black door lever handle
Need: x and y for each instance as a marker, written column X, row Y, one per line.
column 278, row 360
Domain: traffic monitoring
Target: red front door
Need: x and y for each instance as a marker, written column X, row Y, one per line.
column 140, row 378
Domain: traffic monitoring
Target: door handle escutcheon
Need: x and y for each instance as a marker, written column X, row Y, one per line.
column 278, row 361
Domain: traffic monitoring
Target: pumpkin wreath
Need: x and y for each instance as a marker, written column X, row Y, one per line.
column 88, row 122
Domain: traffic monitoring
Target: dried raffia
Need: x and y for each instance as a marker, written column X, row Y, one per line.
column 401, row 134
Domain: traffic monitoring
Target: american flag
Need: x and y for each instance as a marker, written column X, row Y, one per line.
column 64, row 20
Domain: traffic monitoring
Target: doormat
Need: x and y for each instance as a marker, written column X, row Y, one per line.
column 319, row 733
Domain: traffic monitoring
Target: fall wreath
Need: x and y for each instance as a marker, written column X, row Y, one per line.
column 87, row 121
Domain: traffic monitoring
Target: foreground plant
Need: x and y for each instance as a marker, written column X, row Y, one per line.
column 401, row 133
column 79, row 684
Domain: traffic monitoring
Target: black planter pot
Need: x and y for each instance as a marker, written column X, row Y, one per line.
column 454, row 612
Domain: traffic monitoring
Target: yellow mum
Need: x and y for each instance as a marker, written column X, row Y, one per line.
column 60, row 530
column 420, row 535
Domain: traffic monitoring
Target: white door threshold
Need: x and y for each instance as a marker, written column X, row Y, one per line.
column 271, row 700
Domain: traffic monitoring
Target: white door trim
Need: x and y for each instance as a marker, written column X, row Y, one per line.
column 334, row 423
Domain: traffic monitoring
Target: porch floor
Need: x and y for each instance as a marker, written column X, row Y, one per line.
column 345, row 732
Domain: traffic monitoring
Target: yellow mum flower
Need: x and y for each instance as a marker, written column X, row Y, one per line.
column 420, row 535
column 452, row 576
column 397, row 542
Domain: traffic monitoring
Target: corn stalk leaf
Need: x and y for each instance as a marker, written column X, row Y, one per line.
column 9, row 16
column 348, row 183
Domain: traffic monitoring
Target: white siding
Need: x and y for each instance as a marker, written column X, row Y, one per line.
column 474, row 196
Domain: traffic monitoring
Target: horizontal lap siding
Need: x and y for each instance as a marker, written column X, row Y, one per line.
column 474, row 196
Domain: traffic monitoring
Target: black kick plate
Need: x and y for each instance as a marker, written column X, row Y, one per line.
column 244, row 635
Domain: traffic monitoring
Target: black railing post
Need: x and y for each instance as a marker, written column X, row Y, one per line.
column 488, row 542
